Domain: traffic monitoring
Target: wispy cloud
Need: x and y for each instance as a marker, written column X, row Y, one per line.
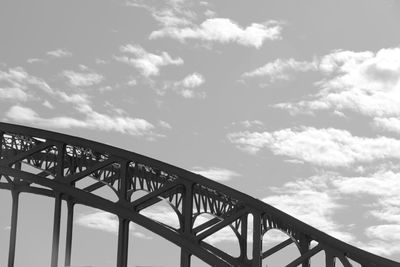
column 59, row 53
column 280, row 69
column 16, row 83
column 148, row 64
column 104, row 221
column 82, row 79
column 92, row 120
column 215, row 173
column 312, row 201
column 224, row 30
column 324, row 147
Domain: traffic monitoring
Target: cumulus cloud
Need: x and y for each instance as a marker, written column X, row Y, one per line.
column 80, row 79
column 217, row 174
column 59, row 53
column 148, row 64
column 323, row 147
column 280, row 69
column 224, row 30
column 367, row 83
column 186, row 86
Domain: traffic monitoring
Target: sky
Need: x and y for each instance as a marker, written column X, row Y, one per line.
column 296, row 103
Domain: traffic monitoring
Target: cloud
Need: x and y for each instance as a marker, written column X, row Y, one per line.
column 59, row 53
column 217, row 174
column 311, row 201
column 79, row 79
column 16, row 82
column 147, row 63
column 324, row 147
column 99, row 220
column 391, row 124
column 92, row 120
column 223, row 30
column 249, row 124
column 186, row 85
column 367, row 83
column 280, row 69
column 104, row 221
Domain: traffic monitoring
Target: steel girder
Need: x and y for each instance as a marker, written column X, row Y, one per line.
column 72, row 169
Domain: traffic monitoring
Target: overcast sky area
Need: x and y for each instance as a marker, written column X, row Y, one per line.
column 296, row 103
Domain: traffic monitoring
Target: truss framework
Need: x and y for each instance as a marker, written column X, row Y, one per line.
column 73, row 170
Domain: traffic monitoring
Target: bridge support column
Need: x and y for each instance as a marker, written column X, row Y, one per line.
column 329, row 259
column 257, row 240
column 187, row 211
column 68, row 242
column 304, row 248
column 56, row 230
column 243, row 239
column 185, row 258
column 13, row 230
column 123, row 239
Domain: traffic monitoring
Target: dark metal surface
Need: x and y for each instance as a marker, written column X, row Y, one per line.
column 63, row 162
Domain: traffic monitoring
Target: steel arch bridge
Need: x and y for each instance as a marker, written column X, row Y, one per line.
column 62, row 162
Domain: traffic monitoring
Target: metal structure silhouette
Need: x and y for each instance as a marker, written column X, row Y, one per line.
column 72, row 169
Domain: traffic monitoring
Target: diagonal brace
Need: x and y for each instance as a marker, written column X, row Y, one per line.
column 222, row 224
column 78, row 176
column 20, row 156
column 276, row 248
column 146, row 200
column 305, row 256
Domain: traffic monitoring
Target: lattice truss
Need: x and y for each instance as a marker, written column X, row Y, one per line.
column 132, row 186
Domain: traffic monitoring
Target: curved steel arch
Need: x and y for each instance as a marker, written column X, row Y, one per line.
column 64, row 162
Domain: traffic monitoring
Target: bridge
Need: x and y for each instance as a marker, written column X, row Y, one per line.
column 72, row 170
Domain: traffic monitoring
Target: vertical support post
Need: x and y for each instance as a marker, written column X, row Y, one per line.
column 123, row 228
column 304, row 248
column 13, row 230
column 68, row 242
column 56, row 230
column 243, row 239
column 257, row 240
column 123, row 238
column 187, row 210
column 60, row 161
column 329, row 259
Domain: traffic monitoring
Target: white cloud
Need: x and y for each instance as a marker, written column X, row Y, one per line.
column 105, row 221
column 92, row 120
column 79, row 79
column 147, row 63
column 250, row 124
column 311, row 201
column 59, row 53
column 47, row 104
column 99, row 220
column 193, row 80
column 186, row 85
column 324, row 147
column 217, row 174
column 224, row 30
column 364, row 82
column 15, row 83
column 165, row 125
column 391, row 124
column 280, row 69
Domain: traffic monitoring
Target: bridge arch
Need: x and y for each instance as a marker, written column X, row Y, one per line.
column 64, row 161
